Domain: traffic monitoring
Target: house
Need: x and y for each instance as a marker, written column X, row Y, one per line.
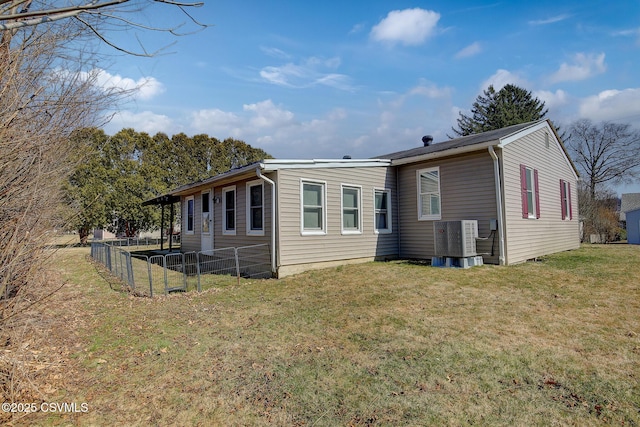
column 517, row 182
column 628, row 202
column 633, row 226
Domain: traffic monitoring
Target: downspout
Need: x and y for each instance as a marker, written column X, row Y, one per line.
column 273, row 218
column 397, row 210
column 496, row 173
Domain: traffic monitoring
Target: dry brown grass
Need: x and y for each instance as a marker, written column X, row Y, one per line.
column 552, row 342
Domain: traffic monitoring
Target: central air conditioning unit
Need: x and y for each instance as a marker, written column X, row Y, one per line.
column 455, row 239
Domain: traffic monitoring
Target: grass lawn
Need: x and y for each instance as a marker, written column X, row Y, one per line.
column 554, row 342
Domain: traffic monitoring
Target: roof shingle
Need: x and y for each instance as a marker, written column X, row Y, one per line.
column 463, row 141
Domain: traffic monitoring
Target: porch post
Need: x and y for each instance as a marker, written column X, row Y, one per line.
column 171, row 227
column 161, row 225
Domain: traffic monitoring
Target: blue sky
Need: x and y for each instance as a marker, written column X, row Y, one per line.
column 325, row 79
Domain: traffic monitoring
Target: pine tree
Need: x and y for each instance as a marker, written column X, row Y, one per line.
column 510, row 105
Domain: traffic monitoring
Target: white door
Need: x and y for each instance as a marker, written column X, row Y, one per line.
column 206, row 236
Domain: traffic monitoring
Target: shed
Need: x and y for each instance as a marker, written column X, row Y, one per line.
column 633, row 226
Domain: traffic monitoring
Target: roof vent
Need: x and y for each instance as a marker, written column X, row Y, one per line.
column 347, row 157
column 427, row 140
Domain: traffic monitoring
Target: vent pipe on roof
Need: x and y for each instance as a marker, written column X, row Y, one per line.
column 427, row 140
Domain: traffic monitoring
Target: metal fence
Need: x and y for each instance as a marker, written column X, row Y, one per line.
column 143, row 241
column 149, row 273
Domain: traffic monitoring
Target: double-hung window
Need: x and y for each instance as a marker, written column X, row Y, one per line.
column 189, row 215
column 530, row 192
column 565, row 200
column 382, row 211
column 313, row 207
column 351, row 223
column 255, row 208
column 429, row 194
column 229, row 210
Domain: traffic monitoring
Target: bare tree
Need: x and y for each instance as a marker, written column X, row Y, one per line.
column 98, row 18
column 600, row 218
column 605, row 153
column 48, row 88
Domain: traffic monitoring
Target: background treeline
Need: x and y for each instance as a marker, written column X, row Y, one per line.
column 115, row 174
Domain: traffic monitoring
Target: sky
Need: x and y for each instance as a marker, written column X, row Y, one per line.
column 326, row 79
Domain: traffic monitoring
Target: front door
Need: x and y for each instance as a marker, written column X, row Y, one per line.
column 206, row 236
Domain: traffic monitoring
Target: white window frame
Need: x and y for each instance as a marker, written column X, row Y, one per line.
column 357, row 230
column 389, row 228
column 254, row 232
column 531, row 204
column 566, row 200
column 422, row 216
column 323, row 229
column 186, row 215
column 225, row 230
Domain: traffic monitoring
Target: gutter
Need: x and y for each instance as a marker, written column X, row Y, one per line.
column 273, row 218
column 500, row 210
column 443, row 153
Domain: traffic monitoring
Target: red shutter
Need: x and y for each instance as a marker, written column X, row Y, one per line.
column 523, row 188
column 569, row 199
column 562, row 197
column 535, row 185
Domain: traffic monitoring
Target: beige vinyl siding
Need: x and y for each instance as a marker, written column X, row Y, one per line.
column 530, row 238
column 296, row 248
column 467, row 191
column 241, row 238
column 190, row 242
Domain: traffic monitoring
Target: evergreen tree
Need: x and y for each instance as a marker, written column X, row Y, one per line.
column 510, row 105
column 115, row 174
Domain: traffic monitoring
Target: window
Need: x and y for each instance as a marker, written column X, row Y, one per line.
column 189, row 215
column 382, row 211
column 530, row 192
column 229, row 209
column 255, row 211
column 565, row 200
column 351, row 210
column 313, row 207
column 206, row 213
column 429, row 194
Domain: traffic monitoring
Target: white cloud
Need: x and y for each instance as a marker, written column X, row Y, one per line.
column 423, row 90
column 145, row 121
column 337, row 114
column 583, row 67
column 357, row 28
column 274, row 52
column 552, row 100
column 551, row 20
column 615, row 105
column 635, row 32
column 273, row 128
column 338, row 81
column 145, row 87
column 471, row 50
column 268, row 115
column 408, row 26
column 501, row 78
column 217, row 122
column 331, row 63
column 312, row 72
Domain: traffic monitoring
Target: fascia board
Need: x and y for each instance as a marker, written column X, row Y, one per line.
column 445, row 153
